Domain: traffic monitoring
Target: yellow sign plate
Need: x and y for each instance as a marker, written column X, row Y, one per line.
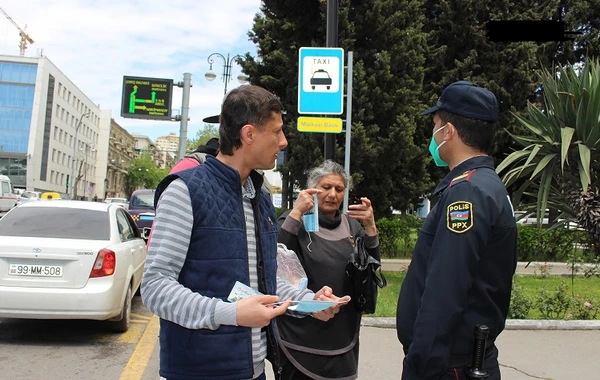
column 319, row 124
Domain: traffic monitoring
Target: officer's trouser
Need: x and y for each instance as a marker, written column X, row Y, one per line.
column 490, row 365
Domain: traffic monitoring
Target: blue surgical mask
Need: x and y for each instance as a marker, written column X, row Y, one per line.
column 434, row 149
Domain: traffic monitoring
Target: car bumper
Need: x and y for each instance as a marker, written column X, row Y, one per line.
column 100, row 299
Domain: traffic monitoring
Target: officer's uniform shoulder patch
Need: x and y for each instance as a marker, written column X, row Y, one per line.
column 465, row 177
column 459, row 216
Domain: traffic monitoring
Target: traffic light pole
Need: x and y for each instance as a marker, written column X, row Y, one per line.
column 331, row 41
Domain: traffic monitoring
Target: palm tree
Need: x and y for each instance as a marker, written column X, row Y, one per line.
column 560, row 161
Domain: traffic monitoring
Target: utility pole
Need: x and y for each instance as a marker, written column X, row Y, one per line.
column 331, row 41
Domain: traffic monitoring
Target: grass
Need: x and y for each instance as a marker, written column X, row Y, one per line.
column 589, row 287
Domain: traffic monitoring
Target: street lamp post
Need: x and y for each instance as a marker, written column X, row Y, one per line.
column 73, row 158
column 227, row 62
column 91, row 147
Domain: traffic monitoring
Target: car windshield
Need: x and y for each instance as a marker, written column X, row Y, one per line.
column 142, row 201
column 41, row 222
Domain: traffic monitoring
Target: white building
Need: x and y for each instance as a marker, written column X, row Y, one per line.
column 51, row 133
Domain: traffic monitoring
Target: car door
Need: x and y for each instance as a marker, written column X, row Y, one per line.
column 134, row 245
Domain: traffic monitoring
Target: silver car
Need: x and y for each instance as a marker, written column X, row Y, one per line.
column 70, row 260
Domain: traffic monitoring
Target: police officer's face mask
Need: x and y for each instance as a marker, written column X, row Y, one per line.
column 434, row 149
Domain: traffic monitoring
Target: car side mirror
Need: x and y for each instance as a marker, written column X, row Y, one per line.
column 146, row 233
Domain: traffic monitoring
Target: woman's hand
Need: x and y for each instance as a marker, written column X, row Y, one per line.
column 305, row 202
column 364, row 213
column 326, row 294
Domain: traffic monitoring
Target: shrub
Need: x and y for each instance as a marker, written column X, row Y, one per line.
column 550, row 244
column 585, row 308
column 520, row 304
column 398, row 235
column 554, row 305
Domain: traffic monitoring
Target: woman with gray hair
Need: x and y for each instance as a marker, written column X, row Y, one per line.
column 309, row 348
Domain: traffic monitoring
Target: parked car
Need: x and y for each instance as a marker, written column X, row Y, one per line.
column 28, row 196
column 50, row 195
column 141, row 207
column 70, row 260
column 8, row 199
column 123, row 202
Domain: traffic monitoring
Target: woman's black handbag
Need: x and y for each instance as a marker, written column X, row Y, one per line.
column 366, row 276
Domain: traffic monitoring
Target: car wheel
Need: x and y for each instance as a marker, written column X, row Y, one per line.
column 123, row 325
column 328, row 87
column 313, row 87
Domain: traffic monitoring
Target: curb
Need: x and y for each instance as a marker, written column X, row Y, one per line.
column 511, row 324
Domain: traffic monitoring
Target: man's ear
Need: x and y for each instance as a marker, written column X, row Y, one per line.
column 247, row 134
column 450, row 132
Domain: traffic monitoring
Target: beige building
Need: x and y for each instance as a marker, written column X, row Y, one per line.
column 121, row 152
column 144, row 144
column 169, row 143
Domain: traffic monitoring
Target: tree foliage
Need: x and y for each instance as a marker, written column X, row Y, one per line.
column 209, row 131
column 143, row 174
column 406, row 52
column 388, row 46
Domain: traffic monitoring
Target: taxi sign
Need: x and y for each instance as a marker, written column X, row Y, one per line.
column 320, row 81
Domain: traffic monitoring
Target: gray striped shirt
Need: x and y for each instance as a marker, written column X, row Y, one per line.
column 167, row 251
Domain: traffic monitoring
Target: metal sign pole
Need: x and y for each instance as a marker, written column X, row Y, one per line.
column 348, row 125
column 185, row 109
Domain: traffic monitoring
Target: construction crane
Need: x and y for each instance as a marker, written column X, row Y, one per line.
column 24, row 36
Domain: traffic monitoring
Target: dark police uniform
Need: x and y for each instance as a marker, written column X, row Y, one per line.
column 460, row 275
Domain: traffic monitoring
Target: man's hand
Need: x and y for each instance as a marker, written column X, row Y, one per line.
column 255, row 311
column 326, row 294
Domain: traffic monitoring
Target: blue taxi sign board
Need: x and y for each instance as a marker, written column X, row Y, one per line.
column 320, row 84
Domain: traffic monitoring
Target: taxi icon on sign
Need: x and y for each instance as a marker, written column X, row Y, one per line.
column 320, row 78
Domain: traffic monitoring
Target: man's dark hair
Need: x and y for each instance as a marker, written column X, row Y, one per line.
column 477, row 134
column 245, row 105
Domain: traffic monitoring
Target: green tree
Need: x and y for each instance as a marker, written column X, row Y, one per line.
column 460, row 49
column 143, row 174
column 209, row 131
column 388, row 46
column 560, row 157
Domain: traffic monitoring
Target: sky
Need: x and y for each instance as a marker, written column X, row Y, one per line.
column 96, row 42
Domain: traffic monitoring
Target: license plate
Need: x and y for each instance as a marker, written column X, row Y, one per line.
column 146, row 217
column 35, row 270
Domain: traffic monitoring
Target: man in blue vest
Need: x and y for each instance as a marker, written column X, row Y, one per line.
column 214, row 226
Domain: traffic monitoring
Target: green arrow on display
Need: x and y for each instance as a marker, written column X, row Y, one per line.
column 132, row 100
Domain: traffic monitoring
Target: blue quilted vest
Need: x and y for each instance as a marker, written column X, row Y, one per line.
column 216, row 259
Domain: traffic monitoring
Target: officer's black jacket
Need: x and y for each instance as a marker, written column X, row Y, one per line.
column 461, row 270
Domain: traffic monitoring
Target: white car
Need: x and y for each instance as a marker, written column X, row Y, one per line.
column 123, row 202
column 70, row 260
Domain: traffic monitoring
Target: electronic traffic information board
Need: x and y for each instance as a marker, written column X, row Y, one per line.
column 146, row 98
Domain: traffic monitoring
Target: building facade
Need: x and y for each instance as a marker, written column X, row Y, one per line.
column 121, row 152
column 168, row 143
column 52, row 136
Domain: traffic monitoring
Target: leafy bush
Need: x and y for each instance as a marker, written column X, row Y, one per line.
column 520, row 304
column 584, row 308
column 398, row 235
column 554, row 305
column 552, row 244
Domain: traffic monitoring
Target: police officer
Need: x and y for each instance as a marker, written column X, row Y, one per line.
column 465, row 256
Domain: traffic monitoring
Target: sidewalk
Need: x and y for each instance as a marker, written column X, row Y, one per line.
column 523, row 355
column 523, row 268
